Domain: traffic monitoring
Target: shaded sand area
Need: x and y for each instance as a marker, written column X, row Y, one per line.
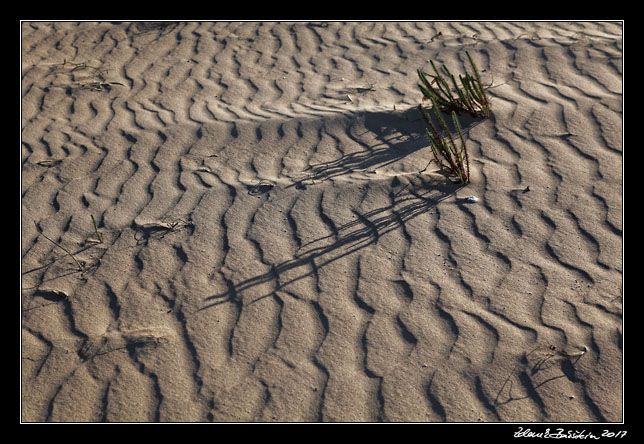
column 270, row 250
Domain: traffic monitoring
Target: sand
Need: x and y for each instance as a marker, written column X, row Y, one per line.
column 270, row 248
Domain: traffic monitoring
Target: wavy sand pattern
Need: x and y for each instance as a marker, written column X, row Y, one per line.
column 271, row 252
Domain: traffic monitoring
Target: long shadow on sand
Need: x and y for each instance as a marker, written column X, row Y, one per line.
column 410, row 200
column 397, row 135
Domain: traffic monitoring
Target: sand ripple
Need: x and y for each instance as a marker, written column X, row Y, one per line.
column 271, row 252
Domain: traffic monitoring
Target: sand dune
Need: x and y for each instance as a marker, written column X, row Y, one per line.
column 270, row 250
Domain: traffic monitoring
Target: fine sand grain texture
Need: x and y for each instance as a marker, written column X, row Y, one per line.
column 270, row 250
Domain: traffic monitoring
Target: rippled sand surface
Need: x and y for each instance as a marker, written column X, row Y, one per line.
column 270, row 250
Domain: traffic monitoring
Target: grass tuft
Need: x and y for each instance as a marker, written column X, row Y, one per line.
column 445, row 92
column 447, row 154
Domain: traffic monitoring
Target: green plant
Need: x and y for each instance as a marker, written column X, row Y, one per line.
column 444, row 147
column 99, row 235
column 469, row 97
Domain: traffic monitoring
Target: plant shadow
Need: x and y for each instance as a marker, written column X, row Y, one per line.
column 410, row 200
column 396, row 135
column 535, row 370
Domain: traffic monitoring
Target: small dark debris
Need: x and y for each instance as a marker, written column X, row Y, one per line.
column 53, row 295
column 49, row 162
column 146, row 27
column 263, row 187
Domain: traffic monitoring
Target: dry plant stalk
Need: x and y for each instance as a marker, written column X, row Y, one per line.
column 80, row 267
column 99, row 235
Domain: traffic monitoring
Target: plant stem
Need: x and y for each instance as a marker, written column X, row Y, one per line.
column 99, row 235
column 80, row 267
